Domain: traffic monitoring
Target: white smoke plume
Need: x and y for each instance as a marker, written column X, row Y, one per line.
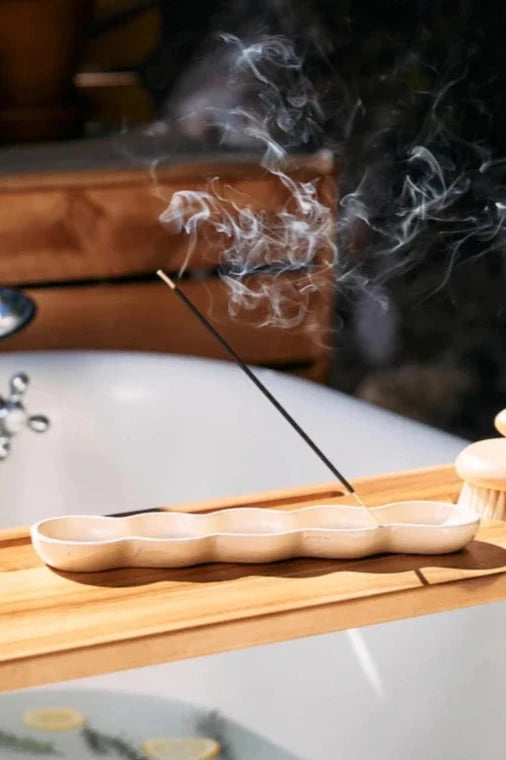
column 275, row 259
column 434, row 189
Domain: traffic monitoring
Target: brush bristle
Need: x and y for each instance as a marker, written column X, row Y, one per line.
column 487, row 502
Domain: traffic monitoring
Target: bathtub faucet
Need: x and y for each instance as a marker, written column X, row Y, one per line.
column 16, row 311
column 13, row 414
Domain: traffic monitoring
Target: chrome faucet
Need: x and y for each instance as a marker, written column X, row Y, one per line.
column 13, row 414
column 16, row 311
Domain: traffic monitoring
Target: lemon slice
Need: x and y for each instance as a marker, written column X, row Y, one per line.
column 54, row 719
column 181, row 749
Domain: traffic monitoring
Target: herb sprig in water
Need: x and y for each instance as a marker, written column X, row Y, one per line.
column 26, row 744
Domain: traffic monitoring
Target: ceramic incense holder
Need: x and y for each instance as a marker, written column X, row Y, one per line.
column 252, row 535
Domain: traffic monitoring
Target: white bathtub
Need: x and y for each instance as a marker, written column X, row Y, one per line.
column 137, row 430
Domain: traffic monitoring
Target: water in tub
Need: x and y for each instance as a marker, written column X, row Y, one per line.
column 81, row 724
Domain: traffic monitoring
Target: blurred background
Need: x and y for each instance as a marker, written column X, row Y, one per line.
column 105, row 114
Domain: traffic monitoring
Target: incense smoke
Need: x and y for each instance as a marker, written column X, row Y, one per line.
column 415, row 184
column 260, row 247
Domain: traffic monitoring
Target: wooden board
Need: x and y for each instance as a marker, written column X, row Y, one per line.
column 147, row 317
column 56, row 626
column 85, row 244
column 71, row 226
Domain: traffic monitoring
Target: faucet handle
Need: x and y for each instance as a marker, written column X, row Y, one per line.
column 5, row 446
column 19, row 383
column 39, row 423
column 14, row 416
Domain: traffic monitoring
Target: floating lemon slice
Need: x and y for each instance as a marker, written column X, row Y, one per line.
column 181, row 749
column 54, row 719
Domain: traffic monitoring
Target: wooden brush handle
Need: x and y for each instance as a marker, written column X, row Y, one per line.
column 500, row 422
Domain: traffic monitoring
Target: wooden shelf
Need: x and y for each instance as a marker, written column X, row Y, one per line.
column 85, row 244
column 56, row 626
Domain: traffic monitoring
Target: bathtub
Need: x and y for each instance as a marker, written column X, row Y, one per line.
column 138, row 430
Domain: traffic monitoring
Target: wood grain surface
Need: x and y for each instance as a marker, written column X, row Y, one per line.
column 72, row 226
column 85, row 246
column 147, row 317
column 56, row 626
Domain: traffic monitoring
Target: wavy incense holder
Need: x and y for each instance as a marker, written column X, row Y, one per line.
column 248, row 535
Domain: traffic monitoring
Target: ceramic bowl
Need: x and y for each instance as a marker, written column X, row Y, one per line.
column 171, row 539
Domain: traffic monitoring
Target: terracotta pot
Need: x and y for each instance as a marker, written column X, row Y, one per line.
column 41, row 44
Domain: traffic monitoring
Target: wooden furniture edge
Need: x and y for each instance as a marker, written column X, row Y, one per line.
column 248, row 167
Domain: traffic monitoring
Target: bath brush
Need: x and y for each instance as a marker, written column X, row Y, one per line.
column 482, row 467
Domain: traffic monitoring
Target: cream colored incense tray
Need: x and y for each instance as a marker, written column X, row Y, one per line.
column 252, row 535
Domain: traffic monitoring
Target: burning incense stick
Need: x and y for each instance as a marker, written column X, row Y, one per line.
column 251, row 375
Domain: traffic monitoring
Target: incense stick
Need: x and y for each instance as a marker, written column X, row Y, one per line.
column 266, row 392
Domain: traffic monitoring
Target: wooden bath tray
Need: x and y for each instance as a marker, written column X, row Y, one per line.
column 58, row 626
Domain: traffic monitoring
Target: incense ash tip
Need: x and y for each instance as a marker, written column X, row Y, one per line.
column 166, row 279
